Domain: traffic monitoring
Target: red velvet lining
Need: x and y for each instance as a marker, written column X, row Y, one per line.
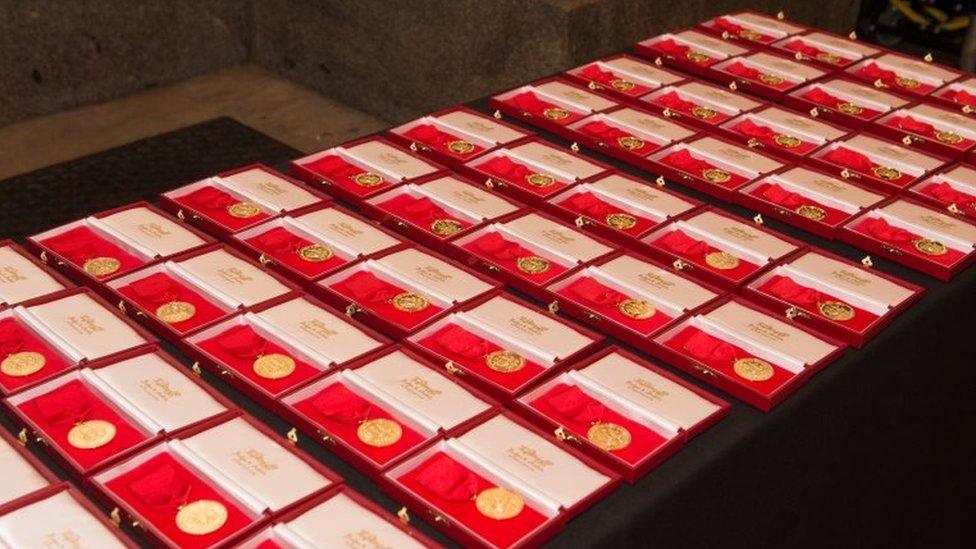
column 283, row 246
column 670, row 47
column 673, row 101
column 807, row 298
column 268, row 544
column 16, row 338
column 505, row 254
column 821, row 97
column 945, row 193
column 158, row 487
column 686, row 247
column 798, row 45
column 590, row 293
column 924, row 129
column 612, row 136
column 158, row 289
column 588, row 204
column 372, row 293
column 688, row 163
column 960, row 96
column 334, row 168
column 594, row 73
column 773, row 193
column 529, row 102
column 451, row 487
column 439, row 140
column 517, row 174
column 742, row 70
column 862, row 164
column 422, row 212
column 879, row 229
column 873, row 72
column 767, row 136
column 213, row 203
column 82, row 243
column 58, row 411
column 747, row 33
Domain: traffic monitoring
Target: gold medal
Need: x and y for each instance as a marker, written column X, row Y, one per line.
column 446, row 227
column 409, row 302
column 274, row 366
column 539, row 180
column 22, row 364
column 703, row 113
column 886, row 173
column 787, row 141
column 930, row 247
column 532, row 264
column 621, row 221
column 379, row 432
column 947, row 137
column 620, row 84
column 696, row 57
column 907, row 83
column 367, row 179
column 243, row 210
column 91, row 434
column 315, row 253
column 637, row 309
column 722, row 260
column 836, row 310
column 749, row 34
column 716, row 175
column 629, row 142
column 828, row 57
column 505, row 361
column 499, row 504
column 850, row 108
column 460, row 146
column 175, row 311
column 810, row 211
column 101, row 266
column 201, row 517
column 608, row 436
column 555, row 113
column 771, row 79
column 753, row 369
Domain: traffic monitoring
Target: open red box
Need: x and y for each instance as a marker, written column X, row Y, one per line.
column 504, row 345
column 714, row 166
column 718, row 249
column 58, row 517
column 400, row 292
column 238, row 199
column 903, row 74
column 316, row 340
column 832, row 295
column 779, row 132
column 341, row 517
column 658, row 410
column 528, row 250
column 22, row 342
column 747, row 352
column 23, row 277
column 688, row 50
column 847, row 102
column 623, row 77
column 384, row 407
column 550, row 104
column 808, row 199
column 455, row 135
column 764, row 74
column 751, row 27
column 237, row 462
column 959, row 95
column 628, row 134
column 917, row 236
column 953, row 189
column 438, row 210
column 698, row 104
column 932, row 129
column 26, row 474
column 533, row 170
column 824, row 49
column 629, row 298
column 554, row 482
column 883, row 165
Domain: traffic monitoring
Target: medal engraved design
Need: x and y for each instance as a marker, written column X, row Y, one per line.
column 274, row 366
column 90, row 434
column 749, row 34
column 947, row 137
column 243, row 210
column 828, row 57
column 696, row 57
column 460, row 146
column 446, row 227
column 532, row 264
column 175, row 311
column 620, row 84
column 201, row 517
column 703, row 113
column 886, row 173
column 637, row 309
column 101, row 266
column 608, row 436
column 22, row 364
column 850, row 108
column 409, row 302
column 499, row 504
column 367, row 179
column 539, row 180
column 722, row 260
column 771, row 79
column 716, row 175
column 930, row 247
column 753, row 369
column 505, row 361
column 621, row 221
column 907, row 83
column 555, row 113
column 836, row 310
column 315, row 253
column 810, row 211
column 787, row 141
column 629, row 142
column 379, row 432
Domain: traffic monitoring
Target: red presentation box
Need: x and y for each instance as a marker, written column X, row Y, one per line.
column 528, row 250
column 650, row 413
column 236, row 463
column 629, row 298
column 438, row 210
column 340, row 518
column 629, row 134
column 400, row 292
column 357, row 170
column 24, row 277
column 902, row 74
column 747, row 352
column 932, row 129
column 59, row 517
column 953, row 189
column 384, row 407
column 825, row 49
column 455, row 135
column 811, row 200
column 959, row 95
column 751, row 27
column 718, row 249
column 916, row 236
column 504, row 345
column 764, row 74
column 504, row 455
column 832, row 295
column 619, row 207
column 550, row 104
column 699, row 104
column 26, row 474
column 883, row 165
column 309, row 244
column 623, row 77
column 714, row 166
column 275, row 349
column 852, row 104
column 238, row 199
column 782, row 133
column 688, row 50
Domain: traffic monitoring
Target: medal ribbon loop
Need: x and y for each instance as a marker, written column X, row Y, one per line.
column 945, row 193
column 11, row 337
column 786, row 289
column 709, row 349
column 850, row 159
column 211, row 198
column 429, row 134
column 157, row 288
column 497, row 246
column 163, row 488
column 68, row 404
column 574, row 404
column 461, row 342
column 687, row 162
column 804, row 48
column 679, row 242
column 506, row 169
column 366, row 287
column 425, row 210
column 243, row 342
column 338, row 403
column 778, row 195
column 448, row 479
column 879, row 228
column 873, row 71
column 279, row 240
column 530, row 102
column 961, row 96
column 589, row 289
column 592, row 206
column 674, row 101
column 670, row 47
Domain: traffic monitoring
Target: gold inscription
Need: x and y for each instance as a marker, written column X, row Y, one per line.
column 254, row 462
column 644, row 387
column 10, row 274
column 316, row 328
column 234, row 275
column 158, row 389
column 84, row 325
column 419, row 387
column 529, row 458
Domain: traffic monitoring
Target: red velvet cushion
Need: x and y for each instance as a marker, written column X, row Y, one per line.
column 696, row 251
column 158, row 289
column 515, row 173
column 81, row 244
column 775, row 194
column 283, row 246
column 506, row 253
column 213, row 203
column 590, row 293
column 375, row 295
column 422, row 212
column 684, row 161
column 596, row 208
column 342, row 173
column 17, row 338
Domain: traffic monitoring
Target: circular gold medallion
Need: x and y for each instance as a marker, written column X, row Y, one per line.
column 947, row 137
column 608, row 436
column 22, row 364
column 696, row 57
column 460, row 146
column 90, row 434
column 771, row 79
column 499, row 504
column 201, row 517
column 101, row 266
column 629, row 142
column 886, row 173
column 368, row 179
column 315, row 253
column 828, row 57
column 621, row 221
column 243, row 210
column 532, row 264
column 274, row 366
column 446, row 227
column 753, row 369
column 703, row 112
column 539, row 179
column 620, row 84
column 505, row 361
column 836, row 310
column 715, row 175
column 930, row 247
column 907, row 83
column 750, row 34
column 722, row 260
column 850, row 108
column 409, row 302
column 379, row 432
column 636, row 308
column 175, row 311
column 555, row 113
column 787, row 141
column 810, row 211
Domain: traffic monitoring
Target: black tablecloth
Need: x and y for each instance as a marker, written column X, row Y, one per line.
column 874, row 450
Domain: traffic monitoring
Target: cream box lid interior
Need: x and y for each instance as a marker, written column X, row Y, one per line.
column 21, row 279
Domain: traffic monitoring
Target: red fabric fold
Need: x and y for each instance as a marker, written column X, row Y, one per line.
column 608, row 79
column 739, row 68
column 422, row 212
column 529, row 102
column 342, row 173
column 874, row 72
column 768, row 136
column 669, row 47
column 82, row 243
column 595, row 208
column 960, row 96
column 734, row 29
column 213, row 203
column 517, row 174
column 599, row 298
column 16, row 338
column 506, row 253
column 903, row 240
column 807, row 299
column 159, row 288
column 673, row 101
column 862, row 164
column 821, row 97
column 370, row 292
column 925, row 129
column 799, row 46
column 946, row 194
column 686, row 247
column 772, row 192
column 432, row 136
column 683, row 160
column 283, row 246
column 618, row 138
